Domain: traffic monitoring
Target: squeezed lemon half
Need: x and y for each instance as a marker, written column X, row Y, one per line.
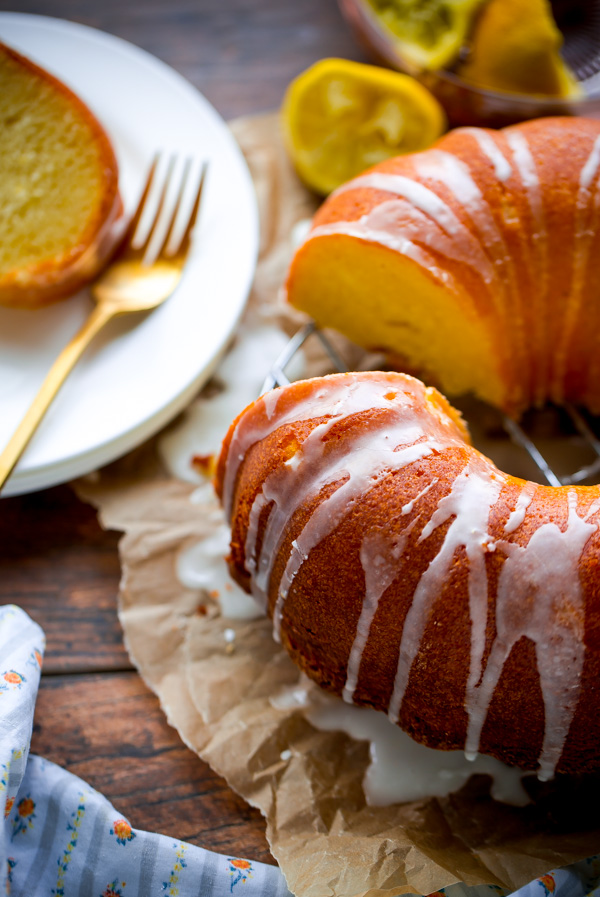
column 341, row 117
column 429, row 34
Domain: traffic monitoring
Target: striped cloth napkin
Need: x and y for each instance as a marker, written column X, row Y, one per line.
column 62, row 838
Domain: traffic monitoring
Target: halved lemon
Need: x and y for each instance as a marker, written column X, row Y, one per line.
column 341, row 117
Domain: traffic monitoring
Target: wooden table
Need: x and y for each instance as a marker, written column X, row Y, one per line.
column 94, row 715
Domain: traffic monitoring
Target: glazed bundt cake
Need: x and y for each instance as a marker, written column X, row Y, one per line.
column 405, row 572
column 58, row 187
column 474, row 264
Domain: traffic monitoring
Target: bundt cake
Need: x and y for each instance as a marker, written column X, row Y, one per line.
column 474, row 264
column 58, row 187
column 405, row 572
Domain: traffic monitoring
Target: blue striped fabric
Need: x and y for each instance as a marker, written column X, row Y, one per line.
column 61, row 838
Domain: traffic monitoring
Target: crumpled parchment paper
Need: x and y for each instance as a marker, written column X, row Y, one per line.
column 219, row 695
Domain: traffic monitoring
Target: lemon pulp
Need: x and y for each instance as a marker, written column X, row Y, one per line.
column 429, row 34
column 341, row 117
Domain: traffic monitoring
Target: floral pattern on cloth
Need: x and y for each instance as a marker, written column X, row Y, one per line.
column 11, row 679
column 580, row 879
column 171, row 887
column 548, row 883
column 122, row 831
column 20, row 637
column 24, row 816
column 114, row 889
column 60, row 837
column 73, row 827
column 240, row 871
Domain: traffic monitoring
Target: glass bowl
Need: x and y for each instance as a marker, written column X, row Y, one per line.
column 465, row 103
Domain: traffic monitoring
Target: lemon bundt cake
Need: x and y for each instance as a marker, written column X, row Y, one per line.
column 405, row 572
column 58, row 187
column 475, row 263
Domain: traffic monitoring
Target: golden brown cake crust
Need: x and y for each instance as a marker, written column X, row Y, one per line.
column 479, row 565
column 52, row 278
column 497, row 230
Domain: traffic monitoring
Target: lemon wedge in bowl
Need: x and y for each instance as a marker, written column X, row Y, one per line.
column 428, row 34
column 341, row 117
column 515, row 48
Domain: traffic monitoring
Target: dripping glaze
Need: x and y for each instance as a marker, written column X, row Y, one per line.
column 407, row 429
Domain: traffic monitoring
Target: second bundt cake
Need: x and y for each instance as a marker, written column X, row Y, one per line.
column 405, row 572
column 475, row 263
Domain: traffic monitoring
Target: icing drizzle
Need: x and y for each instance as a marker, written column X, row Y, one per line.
column 489, row 148
column 473, row 493
column 403, row 429
column 377, row 451
column 549, row 565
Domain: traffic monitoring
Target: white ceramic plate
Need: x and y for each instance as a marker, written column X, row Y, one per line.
column 138, row 374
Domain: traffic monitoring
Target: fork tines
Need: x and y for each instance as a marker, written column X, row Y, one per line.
column 167, row 211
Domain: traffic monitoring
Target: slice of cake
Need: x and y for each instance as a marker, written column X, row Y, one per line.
column 58, row 187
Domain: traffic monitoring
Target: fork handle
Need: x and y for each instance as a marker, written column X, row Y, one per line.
column 54, row 380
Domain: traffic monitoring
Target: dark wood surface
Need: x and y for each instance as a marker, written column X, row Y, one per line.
column 94, row 715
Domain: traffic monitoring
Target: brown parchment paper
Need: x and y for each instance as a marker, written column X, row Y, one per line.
column 325, row 838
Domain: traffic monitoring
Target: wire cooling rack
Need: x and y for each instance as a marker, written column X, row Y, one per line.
column 558, row 446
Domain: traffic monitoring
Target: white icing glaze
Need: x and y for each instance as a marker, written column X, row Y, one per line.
column 400, row 769
column 407, row 508
column 411, row 216
column 202, row 566
column 397, row 440
column 379, row 555
column 590, row 169
column 454, row 174
column 518, row 515
column 392, row 240
column 420, row 196
column 300, row 232
column 438, row 165
column 370, row 462
column 538, row 262
column 334, row 402
column 474, row 491
column 270, row 399
column 490, row 148
column 527, row 171
column 400, row 432
column 547, row 571
column 523, row 160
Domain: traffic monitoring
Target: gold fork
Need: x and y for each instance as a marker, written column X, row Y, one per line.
column 129, row 284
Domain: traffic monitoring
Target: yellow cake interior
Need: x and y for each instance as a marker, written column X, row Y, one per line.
column 42, row 138
column 406, row 308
